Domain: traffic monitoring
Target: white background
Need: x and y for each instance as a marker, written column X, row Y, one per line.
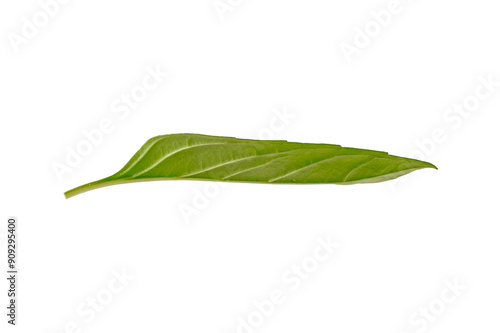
column 399, row 241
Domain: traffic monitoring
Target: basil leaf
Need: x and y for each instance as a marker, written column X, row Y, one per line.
column 204, row 157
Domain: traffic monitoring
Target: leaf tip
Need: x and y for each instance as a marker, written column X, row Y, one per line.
column 430, row 165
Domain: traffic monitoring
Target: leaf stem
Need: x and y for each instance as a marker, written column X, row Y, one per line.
column 92, row 186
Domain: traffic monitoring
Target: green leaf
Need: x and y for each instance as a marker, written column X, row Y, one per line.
column 204, row 157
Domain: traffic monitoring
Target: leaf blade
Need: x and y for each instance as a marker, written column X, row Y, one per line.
column 204, row 157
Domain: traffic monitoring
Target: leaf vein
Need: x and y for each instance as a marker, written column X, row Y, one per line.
column 140, row 157
column 234, row 161
column 255, row 167
column 305, row 167
column 173, row 153
column 356, row 168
